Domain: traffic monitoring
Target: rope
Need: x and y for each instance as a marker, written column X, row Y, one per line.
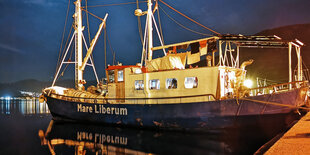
column 183, row 25
column 277, row 104
column 189, row 18
column 115, row 4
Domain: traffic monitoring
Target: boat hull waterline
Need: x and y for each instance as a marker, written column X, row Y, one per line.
column 195, row 115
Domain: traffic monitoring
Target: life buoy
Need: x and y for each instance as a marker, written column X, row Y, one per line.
column 42, row 98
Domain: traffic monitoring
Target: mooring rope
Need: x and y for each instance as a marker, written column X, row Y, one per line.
column 276, row 104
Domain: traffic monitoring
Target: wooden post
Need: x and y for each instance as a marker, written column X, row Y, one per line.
column 299, row 76
column 220, row 54
column 237, row 61
column 290, row 64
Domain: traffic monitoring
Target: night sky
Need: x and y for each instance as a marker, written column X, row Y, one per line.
column 31, row 30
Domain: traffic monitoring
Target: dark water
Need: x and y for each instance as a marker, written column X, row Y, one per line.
column 27, row 128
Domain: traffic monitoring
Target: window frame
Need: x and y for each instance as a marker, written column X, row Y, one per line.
column 111, row 75
column 195, row 81
column 118, row 76
column 157, row 87
column 139, row 86
column 171, row 84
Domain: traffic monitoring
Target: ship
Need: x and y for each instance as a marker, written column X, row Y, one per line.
column 196, row 85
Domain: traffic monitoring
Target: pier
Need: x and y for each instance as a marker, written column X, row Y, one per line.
column 294, row 141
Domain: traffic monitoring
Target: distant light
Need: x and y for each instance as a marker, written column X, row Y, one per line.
column 248, row 83
column 8, row 98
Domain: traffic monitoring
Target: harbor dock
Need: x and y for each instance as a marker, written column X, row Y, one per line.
column 295, row 141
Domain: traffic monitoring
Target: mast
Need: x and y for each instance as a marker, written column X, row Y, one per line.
column 78, row 46
column 149, row 30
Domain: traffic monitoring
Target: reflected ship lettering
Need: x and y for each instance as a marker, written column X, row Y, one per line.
column 101, row 138
column 61, row 137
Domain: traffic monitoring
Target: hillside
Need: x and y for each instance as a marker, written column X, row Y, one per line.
column 31, row 85
column 273, row 63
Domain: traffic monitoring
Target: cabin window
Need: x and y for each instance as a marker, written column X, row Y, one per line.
column 139, row 85
column 154, row 84
column 191, row 82
column 111, row 76
column 120, row 76
column 172, row 83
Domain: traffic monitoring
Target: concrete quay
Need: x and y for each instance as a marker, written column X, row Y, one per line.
column 295, row 141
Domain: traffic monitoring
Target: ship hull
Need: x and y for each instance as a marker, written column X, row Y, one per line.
column 195, row 115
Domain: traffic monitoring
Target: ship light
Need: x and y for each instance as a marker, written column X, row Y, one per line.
column 248, row 83
column 138, row 71
column 299, row 42
column 58, row 90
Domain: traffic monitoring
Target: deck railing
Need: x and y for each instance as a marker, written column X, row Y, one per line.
column 277, row 88
column 181, row 99
column 155, row 100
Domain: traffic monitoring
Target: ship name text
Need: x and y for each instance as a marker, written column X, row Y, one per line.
column 101, row 109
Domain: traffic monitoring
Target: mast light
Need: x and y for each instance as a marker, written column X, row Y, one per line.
column 299, row 42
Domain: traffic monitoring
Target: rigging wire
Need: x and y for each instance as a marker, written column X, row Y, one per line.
column 105, row 48
column 112, row 51
column 159, row 23
column 306, row 72
column 87, row 21
column 88, row 28
column 60, row 54
column 183, row 25
column 92, row 14
column 65, row 68
column 139, row 24
column 189, row 18
column 115, row 4
column 64, row 51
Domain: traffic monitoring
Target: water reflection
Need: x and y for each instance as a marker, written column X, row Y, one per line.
column 75, row 138
column 23, row 106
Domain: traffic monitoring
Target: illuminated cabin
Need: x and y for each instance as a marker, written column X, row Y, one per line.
column 189, row 76
column 175, row 76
